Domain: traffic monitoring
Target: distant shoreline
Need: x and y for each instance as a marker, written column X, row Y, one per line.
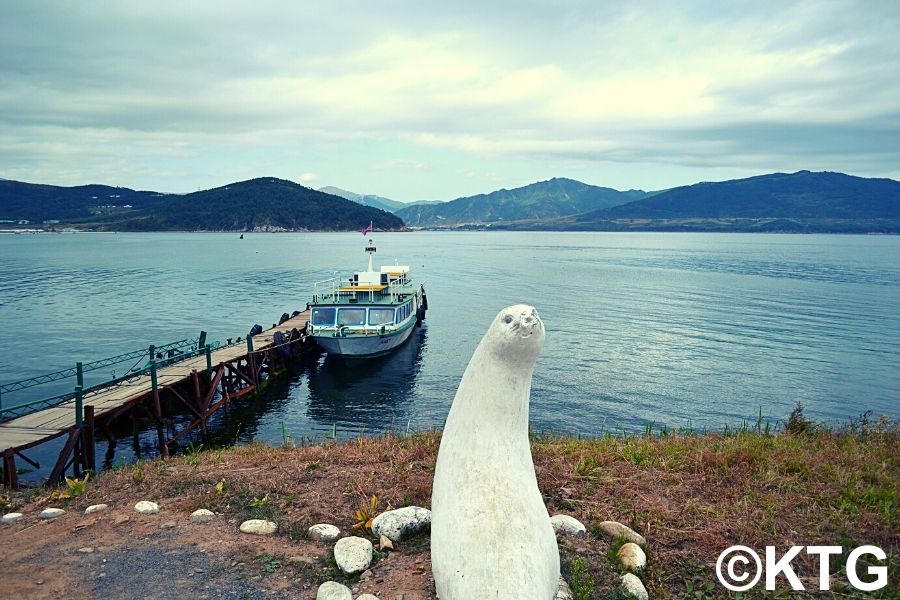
column 473, row 229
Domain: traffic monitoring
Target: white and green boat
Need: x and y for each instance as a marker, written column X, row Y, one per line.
column 368, row 314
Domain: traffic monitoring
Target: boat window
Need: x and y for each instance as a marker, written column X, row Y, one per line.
column 380, row 316
column 323, row 316
column 403, row 312
column 352, row 316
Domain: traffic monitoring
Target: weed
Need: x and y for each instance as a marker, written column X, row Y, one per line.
column 286, row 440
column 587, row 467
column 192, row 454
column 137, row 472
column 700, row 588
column 269, row 563
column 612, row 554
column 797, row 423
column 366, row 513
column 582, row 583
column 76, row 486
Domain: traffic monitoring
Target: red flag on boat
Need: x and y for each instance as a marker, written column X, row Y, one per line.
column 368, row 229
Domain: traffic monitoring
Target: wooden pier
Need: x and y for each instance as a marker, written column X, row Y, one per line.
column 200, row 385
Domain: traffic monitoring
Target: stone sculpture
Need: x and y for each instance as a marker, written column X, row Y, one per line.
column 491, row 537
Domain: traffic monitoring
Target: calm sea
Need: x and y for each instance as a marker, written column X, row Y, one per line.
column 672, row 329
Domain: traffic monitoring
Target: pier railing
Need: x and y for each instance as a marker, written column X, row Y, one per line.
column 145, row 361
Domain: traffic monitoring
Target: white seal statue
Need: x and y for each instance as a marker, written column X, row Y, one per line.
column 491, row 537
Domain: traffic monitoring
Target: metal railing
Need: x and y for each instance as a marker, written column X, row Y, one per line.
column 147, row 360
column 337, row 290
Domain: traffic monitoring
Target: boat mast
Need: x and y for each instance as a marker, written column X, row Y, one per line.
column 370, row 249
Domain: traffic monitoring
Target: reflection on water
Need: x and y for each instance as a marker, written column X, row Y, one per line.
column 362, row 392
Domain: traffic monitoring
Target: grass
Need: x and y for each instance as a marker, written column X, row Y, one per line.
column 690, row 494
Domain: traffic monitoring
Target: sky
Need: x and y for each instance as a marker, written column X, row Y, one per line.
column 436, row 100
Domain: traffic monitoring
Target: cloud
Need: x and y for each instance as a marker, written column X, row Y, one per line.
column 170, row 88
column 399, row 164
column 307, row 177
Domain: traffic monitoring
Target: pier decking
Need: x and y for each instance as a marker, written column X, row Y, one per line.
column 201, row 384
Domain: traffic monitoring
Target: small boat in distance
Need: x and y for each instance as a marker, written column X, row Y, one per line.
column 368, row 314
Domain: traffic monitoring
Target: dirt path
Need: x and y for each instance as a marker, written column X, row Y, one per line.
column 164, row 556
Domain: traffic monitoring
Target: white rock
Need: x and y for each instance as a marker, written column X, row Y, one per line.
column 52, row 513
column 564, row 592
column 10, row 518
column 332, row 590
column 384, row 543
column 258, row 527
column 566, row 525
column 201, row 515
column 401, row 523
column 631, row 556
column 633, row 585
column 323, row 532
column 612, row 529
column 146, row 508
column 353, row 554
column 94, row 508
column 366, row 597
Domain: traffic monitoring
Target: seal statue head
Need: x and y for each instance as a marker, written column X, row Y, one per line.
column 516, row 335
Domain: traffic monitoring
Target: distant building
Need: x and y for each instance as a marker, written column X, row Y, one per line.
column 51, row 221
column 23, row 221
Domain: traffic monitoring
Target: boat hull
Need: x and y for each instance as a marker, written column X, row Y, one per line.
column 363, row 346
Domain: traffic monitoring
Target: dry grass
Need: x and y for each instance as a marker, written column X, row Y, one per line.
column 691, row 495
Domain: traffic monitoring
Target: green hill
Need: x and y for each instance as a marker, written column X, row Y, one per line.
column 542, row 200
column 262, row 204
column 37, row 203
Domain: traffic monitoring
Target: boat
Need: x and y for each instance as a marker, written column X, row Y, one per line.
column 369, row 313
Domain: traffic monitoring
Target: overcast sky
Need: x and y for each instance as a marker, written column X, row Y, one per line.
column 419, row 100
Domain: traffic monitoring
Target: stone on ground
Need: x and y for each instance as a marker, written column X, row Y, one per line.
column 633, row 585
column 146, row 508
column 384, row 543
column 366, row 597
column 10, row 518
column 258, row 527
column 323, row 532
column 401, row 523
column 566, row 525
column 86, row 550
column 52, row 513
column 332, row 590
column 613, row 529
column 353, row 554
column 94, row 508
column 202, row 515
column 564, row 592
column 631, row 556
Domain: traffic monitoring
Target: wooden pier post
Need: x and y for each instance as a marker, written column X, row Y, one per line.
column 9, row 469
column 157, row 411
column 79, row 400
column 89, row 441
column 251, row 362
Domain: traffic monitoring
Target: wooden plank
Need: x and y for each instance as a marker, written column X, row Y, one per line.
column 51, row 422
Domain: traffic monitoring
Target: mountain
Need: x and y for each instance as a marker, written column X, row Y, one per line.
column 542, row 200
column 802, row 201
column 365, row 199
column 374, row 201
column 262, row 204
